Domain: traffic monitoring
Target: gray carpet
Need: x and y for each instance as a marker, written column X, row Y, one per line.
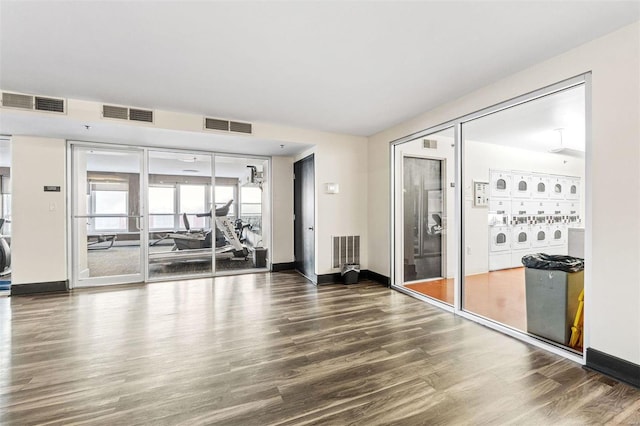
column 122, row 260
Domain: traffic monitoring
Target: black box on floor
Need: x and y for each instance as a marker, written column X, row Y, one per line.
column 260, row 257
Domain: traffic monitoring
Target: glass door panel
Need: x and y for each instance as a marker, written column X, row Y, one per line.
column 530, row 161
column 425, row 242
column 180, row 207
column 242, row 203
column 106, row 215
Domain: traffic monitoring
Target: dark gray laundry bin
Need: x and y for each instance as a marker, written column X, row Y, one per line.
column 350, row 273
column 552, row 298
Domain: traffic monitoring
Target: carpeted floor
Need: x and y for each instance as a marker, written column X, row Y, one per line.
column 123, row 260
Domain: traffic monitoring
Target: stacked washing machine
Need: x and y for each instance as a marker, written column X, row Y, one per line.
column 530, row 213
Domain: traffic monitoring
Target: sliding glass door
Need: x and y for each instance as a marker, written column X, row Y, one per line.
column 515, row 176
column 142, row 214
column 107, row 217
column 180, row 203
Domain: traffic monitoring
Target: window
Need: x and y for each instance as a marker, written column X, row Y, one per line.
column 192, row 202
column 224, row 193
column 541, row 236
column 522, row 186
column 541, row 187
column 557, row 188
column 110, row 202
column 162, row 207
column 251, row 201
column 501, row 239
column 522, row 237
column 574, row 189
column 501, row 184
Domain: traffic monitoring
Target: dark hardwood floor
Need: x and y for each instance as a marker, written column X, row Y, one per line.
column 269, row 349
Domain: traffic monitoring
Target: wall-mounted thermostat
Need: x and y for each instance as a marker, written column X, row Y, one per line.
column 480, row 193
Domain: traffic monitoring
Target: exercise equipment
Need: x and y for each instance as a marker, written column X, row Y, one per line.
column 227, row 242
column 95, row 241
column 5, row 253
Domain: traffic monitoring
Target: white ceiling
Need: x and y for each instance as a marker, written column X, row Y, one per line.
column 347, row 67
column 536, row 125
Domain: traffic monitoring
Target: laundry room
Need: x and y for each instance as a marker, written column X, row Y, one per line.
column 524, row 185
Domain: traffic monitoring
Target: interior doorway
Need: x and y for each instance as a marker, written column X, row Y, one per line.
column 304, row 216
column 107, row 211
column 425, row 259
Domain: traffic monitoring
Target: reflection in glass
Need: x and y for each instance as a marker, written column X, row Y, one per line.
column 424, row 230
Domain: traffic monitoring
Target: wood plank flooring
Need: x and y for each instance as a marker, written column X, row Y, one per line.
column 498, row 295
column 272, row 349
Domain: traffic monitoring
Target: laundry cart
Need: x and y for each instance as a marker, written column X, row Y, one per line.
column 553, row 286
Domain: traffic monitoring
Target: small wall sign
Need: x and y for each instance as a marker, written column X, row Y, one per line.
column 51, row 188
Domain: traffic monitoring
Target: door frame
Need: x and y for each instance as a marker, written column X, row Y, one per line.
column 73, row 250
column 311, row 275
column 578, row 80
column 144, row 194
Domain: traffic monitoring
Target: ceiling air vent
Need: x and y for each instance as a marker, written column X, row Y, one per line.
column 37, row 103
column 429, row 143
column 235, row 126
column 141, row 115
column 49, row 104
column 110, row 111
column 125, row 113
column 15, row 100
column 216, row 124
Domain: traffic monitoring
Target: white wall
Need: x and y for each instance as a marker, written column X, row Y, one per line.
column 282, row 187
column 38, row 244
column 341, row 160
column 613, row 274
column 484, row 156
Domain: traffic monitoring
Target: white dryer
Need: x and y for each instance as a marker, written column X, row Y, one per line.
column 500, row 182
column 539, row 186
column 500, row 239
column 521, row 237
column 557, row 239
column 540, row 237
column 573, row 188
column 521, row 185
column 557, row 187
column 499, row 247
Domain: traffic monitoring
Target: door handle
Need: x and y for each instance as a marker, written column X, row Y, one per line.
column 310, row 228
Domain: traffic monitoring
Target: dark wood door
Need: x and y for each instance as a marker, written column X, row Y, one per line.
column 304, row 220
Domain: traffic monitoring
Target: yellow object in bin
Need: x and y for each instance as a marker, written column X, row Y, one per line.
column 578, row 324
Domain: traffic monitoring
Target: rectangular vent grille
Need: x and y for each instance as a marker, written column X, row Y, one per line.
column 430, row 143
column 49, row 104
column 346, row 249
column 141, row 115
column 110, row 111
column 14, row 100
column 235, row 126
column 216, row 124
